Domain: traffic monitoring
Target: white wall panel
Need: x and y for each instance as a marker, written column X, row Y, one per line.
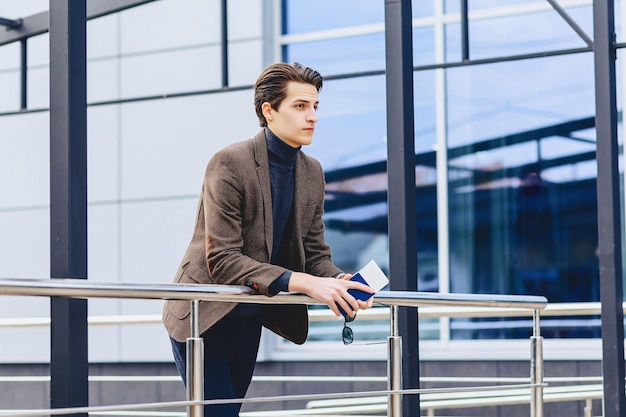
column 26, row 345
column 25, row 167
column 102, row 80
column 10, row 56
column 167, row 143
column 38, row 87
column 10, row 88
column 155, row 235
column 103, row 243
column 18, row 9
column 245, row 62
column 103, row 37
column 104, row 341
column 171, row 72
column 245, row 19
column 38, row 50
column 145, row 343
column 170, row 24
column 102, row 153
column 24, row 247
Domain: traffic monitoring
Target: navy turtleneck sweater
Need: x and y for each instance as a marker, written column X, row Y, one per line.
column 282, row 158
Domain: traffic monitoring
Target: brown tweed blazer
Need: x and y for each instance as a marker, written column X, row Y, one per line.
column 232, row 239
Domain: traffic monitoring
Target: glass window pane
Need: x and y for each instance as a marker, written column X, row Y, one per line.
column 453, row 6
column 519, row 34
column 300, row 17
column 423, row 46
column 341, row 55
column 422, row 8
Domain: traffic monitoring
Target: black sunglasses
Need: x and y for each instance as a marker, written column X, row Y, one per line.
column 347, row 335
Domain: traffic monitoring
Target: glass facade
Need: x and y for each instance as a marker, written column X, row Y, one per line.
column 518, row 134
column 520, row 142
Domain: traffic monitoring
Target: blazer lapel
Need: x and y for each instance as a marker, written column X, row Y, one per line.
column 299, row 193
column 263, row 174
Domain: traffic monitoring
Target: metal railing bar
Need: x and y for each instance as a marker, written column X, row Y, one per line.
column 378, row 313
column 78, row 288
column 451, row 396
column 553, row 309
column 421, row 299
column 151, row 319
column 108, row 320
column 146, row 413
column 143, row 406
column 306, row 378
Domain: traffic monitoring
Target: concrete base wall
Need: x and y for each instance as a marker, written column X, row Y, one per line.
column 21, row 395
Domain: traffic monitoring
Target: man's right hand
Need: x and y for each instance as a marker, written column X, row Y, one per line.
column 332, row 292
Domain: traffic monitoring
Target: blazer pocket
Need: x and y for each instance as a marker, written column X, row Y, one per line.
column 195, row 274
column 307, row 219
column 191, row 274
column 180, row 308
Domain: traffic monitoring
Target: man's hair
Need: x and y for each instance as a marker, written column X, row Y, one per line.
column 271, row 86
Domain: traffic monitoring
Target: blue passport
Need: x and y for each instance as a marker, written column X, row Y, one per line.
column 370, row 275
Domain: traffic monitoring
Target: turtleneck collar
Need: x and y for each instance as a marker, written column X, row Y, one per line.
column 279, row 149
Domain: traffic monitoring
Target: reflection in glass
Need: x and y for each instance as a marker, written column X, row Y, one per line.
column 523, row 217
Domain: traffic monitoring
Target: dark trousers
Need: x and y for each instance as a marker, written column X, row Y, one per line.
column 230, row 350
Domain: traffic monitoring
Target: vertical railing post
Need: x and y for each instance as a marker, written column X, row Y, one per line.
column 195, row 364
column 394, row 366
column 536, row 368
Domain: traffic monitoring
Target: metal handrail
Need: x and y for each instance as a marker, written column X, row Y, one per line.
column 80, row 288
column 310, row 378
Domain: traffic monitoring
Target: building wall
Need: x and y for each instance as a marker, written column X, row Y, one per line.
column 147, row 152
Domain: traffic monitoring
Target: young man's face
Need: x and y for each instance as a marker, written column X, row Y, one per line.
column 294, row 120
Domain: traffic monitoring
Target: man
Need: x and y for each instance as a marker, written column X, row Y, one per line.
column 259, row 224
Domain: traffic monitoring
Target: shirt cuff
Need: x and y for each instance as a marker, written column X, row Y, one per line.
column 279, row 284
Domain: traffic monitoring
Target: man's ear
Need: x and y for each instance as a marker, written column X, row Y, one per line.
column 267, row 110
